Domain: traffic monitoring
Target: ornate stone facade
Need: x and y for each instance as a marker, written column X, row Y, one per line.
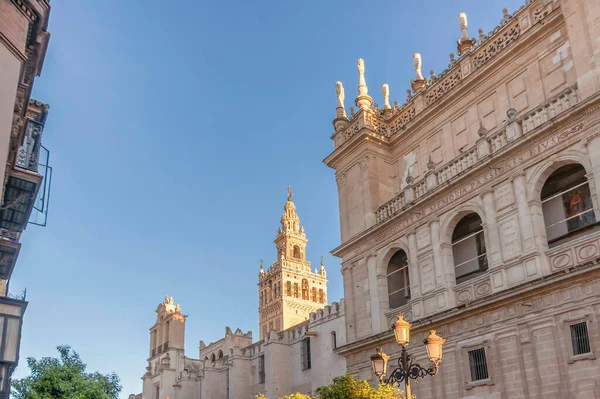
column 488, row 195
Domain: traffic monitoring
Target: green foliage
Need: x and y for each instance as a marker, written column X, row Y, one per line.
column 348, row 388
column 65, row 378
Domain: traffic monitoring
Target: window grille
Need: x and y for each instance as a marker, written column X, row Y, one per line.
column 580, row 339
column 478, row 364
column 261, row 369
column 306, row 363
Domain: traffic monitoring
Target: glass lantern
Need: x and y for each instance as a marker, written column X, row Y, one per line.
column 434, row 347
column 402, row 331
column 379, row 361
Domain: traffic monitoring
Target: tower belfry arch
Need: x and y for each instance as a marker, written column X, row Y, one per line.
column 289, row 290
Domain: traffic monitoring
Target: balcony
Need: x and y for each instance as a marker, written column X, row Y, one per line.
column 29, row 174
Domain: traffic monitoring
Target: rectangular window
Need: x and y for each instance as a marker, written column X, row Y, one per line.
column 261, row 369
column 157, row 392
column 478, row 365
column 580, row 339
column 333, row 340
column 306, row 354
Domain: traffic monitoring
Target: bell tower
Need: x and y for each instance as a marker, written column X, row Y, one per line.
column 288, row 290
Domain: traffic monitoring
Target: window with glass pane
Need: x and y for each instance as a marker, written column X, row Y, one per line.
column 306, row 360
column 468, row 248
column 478, row 364
column 580, row 339
column 398, row 280
column 566, row 202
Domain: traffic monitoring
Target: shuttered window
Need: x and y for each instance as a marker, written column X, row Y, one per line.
column 306, row 354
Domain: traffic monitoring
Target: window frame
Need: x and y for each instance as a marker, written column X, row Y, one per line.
column 306, row 355
column 570, row 233
column 466, row 365
column 261, row 369
column 480, row 270
column 566, row 334
column 406, row 280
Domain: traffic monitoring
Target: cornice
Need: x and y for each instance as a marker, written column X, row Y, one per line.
column 577, row 113
column 509, row 297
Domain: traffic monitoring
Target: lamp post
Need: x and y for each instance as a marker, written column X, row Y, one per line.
column 407, row 369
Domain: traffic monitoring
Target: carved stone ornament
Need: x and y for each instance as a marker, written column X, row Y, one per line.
column 419, row 83
column 465, row 43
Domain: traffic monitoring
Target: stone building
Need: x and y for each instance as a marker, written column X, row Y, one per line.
column 473, row 209
column 23, row 159
column 299, row 335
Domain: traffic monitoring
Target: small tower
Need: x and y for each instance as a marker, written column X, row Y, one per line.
column 169, row 330
column 289, row 290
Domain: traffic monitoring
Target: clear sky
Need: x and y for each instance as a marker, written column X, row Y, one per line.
column 174, row 130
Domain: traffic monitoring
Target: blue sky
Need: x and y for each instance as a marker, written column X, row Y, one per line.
column 174, row 131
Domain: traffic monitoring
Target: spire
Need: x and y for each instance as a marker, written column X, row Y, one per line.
column 290, row 223
column 363, row 100
column 419, row 83
column 465, row 43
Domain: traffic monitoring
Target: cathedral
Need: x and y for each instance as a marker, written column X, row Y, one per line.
column 470, row 208
column 299, row 334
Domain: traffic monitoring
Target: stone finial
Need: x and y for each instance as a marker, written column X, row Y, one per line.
column 340, row 109
column 408, row 94
column 409, row 179
column 419, row 83
column 351, row 111
column 482, row 132
column 505, row 16
column 322, row 261
column 465, row 43
column 481, row 34
column 289, row 193
column 430, row 163
column 511, row 114
column 385, row 90
column 418, row 64
column 395, row 104
column 363, row 100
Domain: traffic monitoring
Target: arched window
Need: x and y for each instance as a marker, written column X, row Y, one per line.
column 261, row 298
column 321, row 296
column 296, row 253
column 295, row 290
column 314, row 294
column 398, row 281
column 468, row 248
column 305, row 289
column 213, row 358
column 566, row 202
column 220, row 354
column 288, row 288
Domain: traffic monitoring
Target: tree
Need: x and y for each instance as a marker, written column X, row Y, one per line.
column 65, row 378
column 349, row 388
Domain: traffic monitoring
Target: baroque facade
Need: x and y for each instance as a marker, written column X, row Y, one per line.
column 23, row 159
column 299, row 333
column 473, row 209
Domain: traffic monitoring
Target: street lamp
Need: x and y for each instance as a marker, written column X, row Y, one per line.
column 406, row 369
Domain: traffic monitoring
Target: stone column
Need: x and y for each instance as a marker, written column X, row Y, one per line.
column 375, row 294
column 493, row 238
column 413, row 266
column 434, row 227
column 524, row 213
